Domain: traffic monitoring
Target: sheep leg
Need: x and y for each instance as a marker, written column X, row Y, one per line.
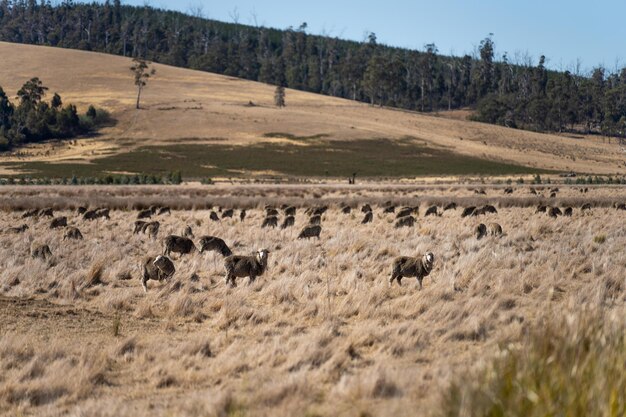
column 251, row 279
column 144, row 283
column 419, row 280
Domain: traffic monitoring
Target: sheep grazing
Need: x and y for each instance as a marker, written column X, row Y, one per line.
column 214, row 217
column 290, row 211
column 310, row 231
column 568, row 211
column 152, row 229
column 30, row 213
column 16, row 230
column 554, row 212
column 271, row 221
column 178, row 244
column 245, row 266
column 390, row 209
column 215, row 244
column 488, row 209
column 163, row 210
column 346, row 209
column 406, row 221
column 42, row 252
column 541, row 209
column 104, row 213
column 271, row 212
column 318, row 211
column 432, row 211
column 139, row 226
column 620, row 206
column 145, row 214
column 242, row 215
column 90, row 215
column 58, row 222
column 406, row 266
column 552, row 195
column 533, row 191
column 494, row 229
column 228, row 213
column 157, row 268
column 317, row 219
column 369, row 216
column 46, row 212
column 480, row 231
column 73, row 233
column 366, row 208
column 187, row 232
column 468, row 211
column 586, row 206
column 508, row 190
column 81, row 210
column 405, row 211
column 288, row 222
column 450, row 206
column 481, row 192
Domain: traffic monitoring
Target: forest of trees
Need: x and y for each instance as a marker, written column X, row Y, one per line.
column 518, row 94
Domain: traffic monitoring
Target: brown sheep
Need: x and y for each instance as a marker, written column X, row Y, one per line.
column 16, row 230
column 271, row 212
column 317, row 219
column 366, row 208
column 178, row 244
column 42, row 252
column 228, row 213
column 58, row 222
column 405, row 211
column 541, row 209
column 568, row 211
column 212, row 243
column 310, row 231
column 480, row 231
column 406, row 266
column 450, row 206
column 368, row 218
column 242, row 215
column 495, row 229
column 432, row 211
column 290, row 211
column 73, row 233
column 163, row 210
column 288, row 222
column 245, row 266
column 508, row 190
column 157, row 268
column 30, row 213
column 390, row 209
column 346, row 209
column 271, row 221
column 214, row 217
column 468, row 211
column 81, row 210
column 103, row 213
column 145, row 214
column 406, row 221
column 187, row 232
column 152, row 229
column 620, row 206
column 318, row 211
column 139, row 226
column 586, row 206
column 49, row 212
column 554, row 212
column 90, row 215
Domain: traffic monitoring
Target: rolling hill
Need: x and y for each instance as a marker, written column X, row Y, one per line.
column 209, row 125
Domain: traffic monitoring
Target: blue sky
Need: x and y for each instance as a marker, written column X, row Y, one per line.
column 563, row 31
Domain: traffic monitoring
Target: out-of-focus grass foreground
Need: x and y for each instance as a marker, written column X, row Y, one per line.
column 527, row 323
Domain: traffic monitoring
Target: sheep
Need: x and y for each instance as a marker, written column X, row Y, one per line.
column 145, row 214
column 242, row 215
column 480, row 231
column 482, row 192
column 489, row 209
column 103, row 212
column 290, row 211
column 310, row 231
column 42, row 252
column 568, row 211
column 228, row 213
column 139, row 226
column 390, row 209
column 432, row 210
column 187, row 232
column 153, row 209
column 289, row 221
column 366, row 208
column 586, row 206
column 49, row 212
column 406, row 221
column 30, row 213
column 81, row 210
column 508, row 190
column 552, row 195
column 163, row 210
column 405, row 211
column 58, row 222
column 533, row 191
column 271, row 221
column 213, row 216
column 620, row 206
column 212, row 243
column 468, row 211
column 90, row 215
column 406, row 266
column 450, row 206
column 368, row 218
column 73, row 233
column 554, row 212
column 245, row 266
column 318, row 211
column 317, row 219
column 16, row 230
column 541, row 209
column 157, row 268
column 495, row 229
column 152, row 229
column 179, row 244
column 271, row 212
column 346, row 209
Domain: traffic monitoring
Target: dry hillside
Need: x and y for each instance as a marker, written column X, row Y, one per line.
column 184, row 106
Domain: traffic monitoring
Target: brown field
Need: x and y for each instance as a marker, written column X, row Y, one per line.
column 190, row 107
column 320, row 333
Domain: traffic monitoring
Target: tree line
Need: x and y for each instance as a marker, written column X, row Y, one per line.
column 518, row 94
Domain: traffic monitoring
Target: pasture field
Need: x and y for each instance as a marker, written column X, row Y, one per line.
column 321, row 333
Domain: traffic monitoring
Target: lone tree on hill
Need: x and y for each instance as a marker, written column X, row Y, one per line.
column 279, row 96
column 141, row 71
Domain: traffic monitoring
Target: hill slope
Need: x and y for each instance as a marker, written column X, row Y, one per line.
column 230, row 117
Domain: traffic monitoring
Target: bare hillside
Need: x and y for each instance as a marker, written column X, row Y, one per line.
column 185, row 107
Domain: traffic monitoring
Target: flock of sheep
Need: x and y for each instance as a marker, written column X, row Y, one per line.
column 162, row 268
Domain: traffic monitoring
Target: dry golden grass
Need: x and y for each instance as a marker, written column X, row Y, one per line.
column 320, row 333
column 184, row 106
